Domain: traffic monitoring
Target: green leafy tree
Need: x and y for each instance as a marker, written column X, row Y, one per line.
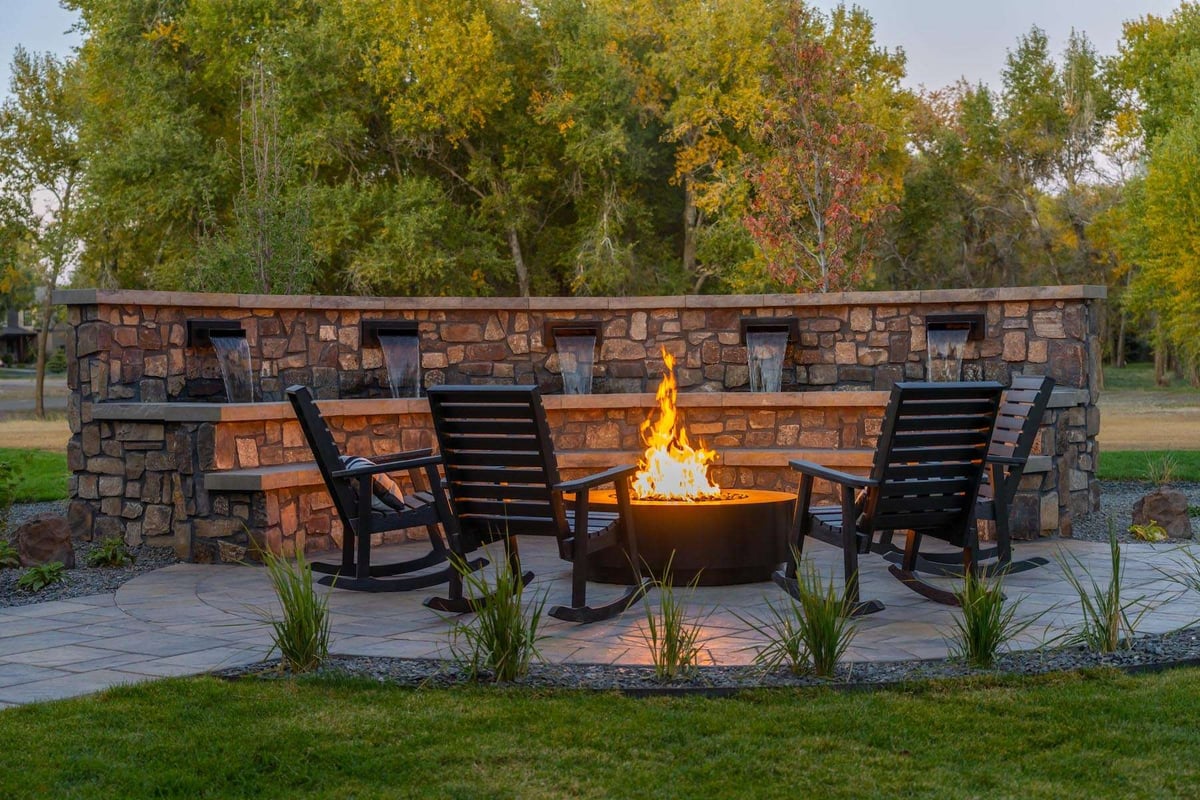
column 41, row 168
column 830, row 169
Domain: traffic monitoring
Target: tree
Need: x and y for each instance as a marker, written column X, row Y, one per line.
column 40, row 172
column 831, row 169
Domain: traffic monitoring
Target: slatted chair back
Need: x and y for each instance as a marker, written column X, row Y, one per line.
column 325, row 449
column 1021, row 409
column 930, row 458
column 499, row 462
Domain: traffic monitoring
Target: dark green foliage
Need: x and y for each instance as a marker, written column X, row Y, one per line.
column 8, row 555
column 110, row 553
column 37, row 578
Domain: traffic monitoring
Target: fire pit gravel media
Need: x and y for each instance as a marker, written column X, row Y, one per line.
column 717, row 537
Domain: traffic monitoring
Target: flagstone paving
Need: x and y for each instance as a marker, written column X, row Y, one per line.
column 191, row 618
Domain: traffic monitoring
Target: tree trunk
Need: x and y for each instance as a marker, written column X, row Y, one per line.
column 43, row 338
column 1119, row 359
column 691, row 222
column 514, row 242
column 1160, row 355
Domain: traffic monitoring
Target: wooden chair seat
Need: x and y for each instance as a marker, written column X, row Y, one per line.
column 924, row 482
column 502, row 481
column 1022, row 407
column 352, row 489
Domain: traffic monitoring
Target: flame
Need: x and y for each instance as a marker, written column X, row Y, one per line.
column 671, row 469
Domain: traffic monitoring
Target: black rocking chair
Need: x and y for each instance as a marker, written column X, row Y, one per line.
column 366, row 507
column 502, row 481
column 925, row 480
column 1021, row 409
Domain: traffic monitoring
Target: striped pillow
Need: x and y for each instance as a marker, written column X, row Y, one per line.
column 386, row 494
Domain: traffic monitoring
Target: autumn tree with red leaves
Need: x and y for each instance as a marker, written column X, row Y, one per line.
column 833, row 156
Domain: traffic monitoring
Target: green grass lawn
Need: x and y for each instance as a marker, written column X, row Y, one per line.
column 1140, row 377
column 1132, row 465
column 1085, row 736
column 40, row 475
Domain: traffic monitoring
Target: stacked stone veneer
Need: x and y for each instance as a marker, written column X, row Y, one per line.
column 144, row 460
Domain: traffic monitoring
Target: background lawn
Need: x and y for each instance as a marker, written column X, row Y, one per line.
column 1085, row 736
column 40, row 475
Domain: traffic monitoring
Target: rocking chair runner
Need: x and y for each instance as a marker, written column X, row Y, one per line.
column 924, row 481
column 1021, row 409
column 502, row 481
column 353, row 486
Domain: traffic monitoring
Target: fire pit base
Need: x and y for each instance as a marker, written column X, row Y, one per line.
column 737, row 540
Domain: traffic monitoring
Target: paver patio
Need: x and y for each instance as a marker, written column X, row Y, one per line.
column 191, row 618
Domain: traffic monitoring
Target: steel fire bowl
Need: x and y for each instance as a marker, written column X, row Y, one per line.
column 741, row 539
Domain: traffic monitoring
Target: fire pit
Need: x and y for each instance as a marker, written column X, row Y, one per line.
column 739, row 537
column 717, row 537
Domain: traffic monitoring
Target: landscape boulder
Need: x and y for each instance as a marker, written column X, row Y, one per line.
column 1167, row 507
column 45, row 538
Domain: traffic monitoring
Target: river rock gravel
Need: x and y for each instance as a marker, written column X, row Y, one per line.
column 83, row 580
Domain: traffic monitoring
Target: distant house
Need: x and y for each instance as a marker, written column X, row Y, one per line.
column 18, row 342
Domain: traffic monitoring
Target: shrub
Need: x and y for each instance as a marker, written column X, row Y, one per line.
column 8, row 555
column 672, row 637
column 501, row 640
column 986, row 622
column 811, row 632
column 57, row 362
column 302, row 635
column 111, row 552
column 41, row 576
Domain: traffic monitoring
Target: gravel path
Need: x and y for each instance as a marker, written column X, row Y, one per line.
column 83, row 580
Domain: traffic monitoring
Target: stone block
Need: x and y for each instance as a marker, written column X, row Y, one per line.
column 43, row 539
column 80, row 516
column 461, row 332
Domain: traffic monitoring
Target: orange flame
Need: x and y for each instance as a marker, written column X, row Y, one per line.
column 671, row 469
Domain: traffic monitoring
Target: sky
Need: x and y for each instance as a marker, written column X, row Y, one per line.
column 943, row 39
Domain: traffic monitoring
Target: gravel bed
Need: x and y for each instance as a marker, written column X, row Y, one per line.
column 83, row 580
column 1146, row 653
column 1116, row 507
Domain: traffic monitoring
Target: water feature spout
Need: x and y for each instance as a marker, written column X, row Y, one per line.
column 233, row 356
column 946, row 338
column 766, row 341
column 575, row 343
column 402, row 355
column 764, row 354
column 401, row 344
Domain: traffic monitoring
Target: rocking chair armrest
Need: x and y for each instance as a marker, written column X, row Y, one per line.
column 405, row 455
column 831, row 475
column 599, row 479
column 1008, row 461
column 390, row 466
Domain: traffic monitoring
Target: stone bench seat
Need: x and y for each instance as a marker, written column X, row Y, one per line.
column 283, row 476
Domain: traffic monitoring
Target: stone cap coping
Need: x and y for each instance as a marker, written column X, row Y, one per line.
column 249, row 412
column 285, row 476
column 93, row 297
column 261, row 479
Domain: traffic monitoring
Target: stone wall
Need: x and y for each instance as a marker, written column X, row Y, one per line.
column 143, row 459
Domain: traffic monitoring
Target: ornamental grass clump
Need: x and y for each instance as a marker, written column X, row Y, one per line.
column 302, row 635
column 809, row 633
column 1107, row 625
column 671, row 634
column 986, row 621
column 501, row 640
